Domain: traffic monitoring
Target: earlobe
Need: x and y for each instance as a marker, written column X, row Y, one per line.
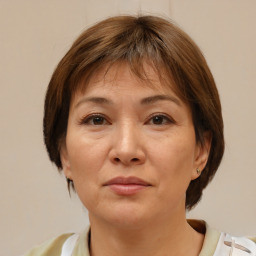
column 65, row 162
column 202, row 154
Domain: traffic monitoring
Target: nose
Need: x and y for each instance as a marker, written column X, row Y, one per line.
column 127, row 145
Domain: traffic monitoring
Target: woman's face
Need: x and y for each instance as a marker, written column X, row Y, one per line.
column 130, row 148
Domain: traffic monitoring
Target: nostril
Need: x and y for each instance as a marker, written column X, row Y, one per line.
column 134, row 160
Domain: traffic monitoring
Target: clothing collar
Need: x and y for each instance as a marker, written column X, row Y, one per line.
column 211, row 236
column 209, row 246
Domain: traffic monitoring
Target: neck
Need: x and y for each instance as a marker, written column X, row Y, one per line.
column 175, row 237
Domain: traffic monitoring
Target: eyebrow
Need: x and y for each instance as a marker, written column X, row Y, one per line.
column 98, row 100
column 155, row 98
column 145, row 101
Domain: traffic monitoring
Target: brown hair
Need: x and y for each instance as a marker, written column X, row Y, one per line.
column 136, row 40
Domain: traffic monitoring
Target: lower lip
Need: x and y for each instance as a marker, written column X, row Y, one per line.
column 127, row 189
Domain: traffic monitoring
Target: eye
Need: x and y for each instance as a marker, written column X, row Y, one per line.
column 94, row 119
column 160, row 120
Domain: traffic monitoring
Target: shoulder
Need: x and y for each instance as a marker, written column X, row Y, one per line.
column 50, row 247
column 218, row 243
column 236, row 245
column 253, row 239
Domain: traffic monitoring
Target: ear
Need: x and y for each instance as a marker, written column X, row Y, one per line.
column 65, row 161
column 201, row 155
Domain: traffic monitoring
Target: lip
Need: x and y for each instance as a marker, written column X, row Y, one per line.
column 127, row 185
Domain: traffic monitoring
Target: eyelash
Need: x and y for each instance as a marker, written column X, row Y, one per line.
column 166, row 118
column 88, row 120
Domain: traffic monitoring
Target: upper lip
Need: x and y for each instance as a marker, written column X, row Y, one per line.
column 126, row 181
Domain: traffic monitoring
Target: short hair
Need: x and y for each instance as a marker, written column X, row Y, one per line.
column 134, row 40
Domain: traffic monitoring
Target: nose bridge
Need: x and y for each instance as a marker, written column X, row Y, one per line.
column 126, row 139
column 127, row 146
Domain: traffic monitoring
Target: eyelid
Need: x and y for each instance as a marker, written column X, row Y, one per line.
column 87, row 118
column 166, row 116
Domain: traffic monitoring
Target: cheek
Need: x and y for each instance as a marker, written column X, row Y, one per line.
column 85, row 154
column 174, row 152
column 174, row 161
column 85, row 165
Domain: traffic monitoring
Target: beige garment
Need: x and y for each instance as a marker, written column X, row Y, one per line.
column 54, row 246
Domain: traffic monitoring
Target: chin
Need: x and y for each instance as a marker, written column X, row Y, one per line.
column 127, row 216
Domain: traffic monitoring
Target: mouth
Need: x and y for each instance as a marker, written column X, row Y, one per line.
column 127, row 185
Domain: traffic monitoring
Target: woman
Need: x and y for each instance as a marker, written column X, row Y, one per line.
column 133, row 118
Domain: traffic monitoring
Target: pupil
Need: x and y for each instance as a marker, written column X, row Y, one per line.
column 158, row 120
column 97, row 120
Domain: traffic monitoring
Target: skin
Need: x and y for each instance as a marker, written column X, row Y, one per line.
column 120, row 126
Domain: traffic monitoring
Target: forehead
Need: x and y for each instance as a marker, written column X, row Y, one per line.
column 121, row 74
column 119, row 83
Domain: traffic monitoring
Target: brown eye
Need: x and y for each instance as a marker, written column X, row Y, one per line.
column 160, row 120
column 98, row 120
column 95, row 120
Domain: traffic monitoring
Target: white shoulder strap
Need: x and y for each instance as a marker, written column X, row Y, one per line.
column 235, row 246
column 69, row 245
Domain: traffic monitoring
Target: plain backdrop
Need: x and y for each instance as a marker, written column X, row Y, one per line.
column 35, row 34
